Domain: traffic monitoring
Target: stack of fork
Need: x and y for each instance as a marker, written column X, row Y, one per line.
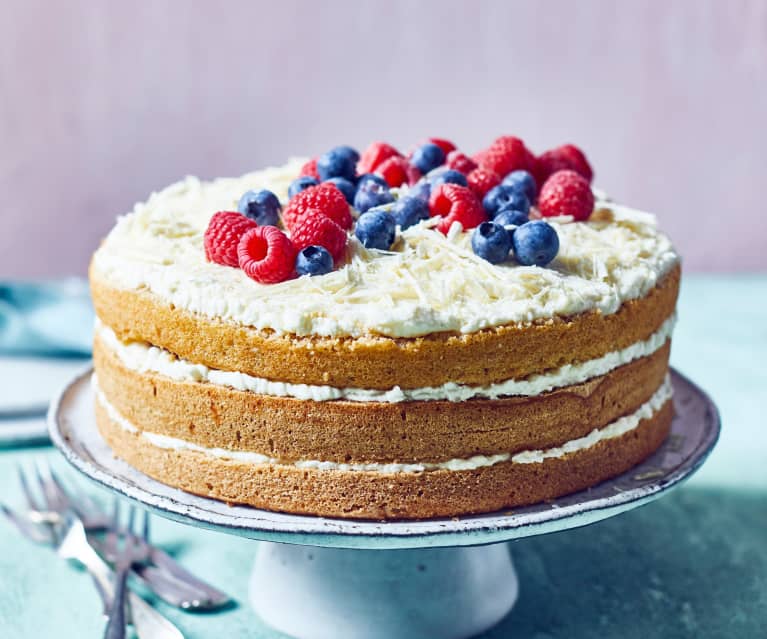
column 117, row 555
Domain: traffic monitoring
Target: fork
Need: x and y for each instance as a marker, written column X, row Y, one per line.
column 126, row 554
column 166, row 578
column 147, row 621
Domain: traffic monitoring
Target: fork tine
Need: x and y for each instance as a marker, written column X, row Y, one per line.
column 32, row 502
column 56, row 500
column 31, row 531
column 58, row 486
column 131, row 520
column 145, row 529
column 41, row 486
column 114, row 525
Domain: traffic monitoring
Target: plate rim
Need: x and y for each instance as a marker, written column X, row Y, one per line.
column 479, row 529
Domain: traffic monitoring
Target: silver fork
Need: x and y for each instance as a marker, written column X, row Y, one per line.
column 127, row 551
column 161, row 574
column 148, row 622
column 69, row 539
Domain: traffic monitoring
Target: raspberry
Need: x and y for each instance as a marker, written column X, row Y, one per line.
column 413, row 174
column 223, row 235
column 266, row 255
column 563, row 157
column 394, row 170
column 372, row 157
column 481, row 181
column 326, row 198
column 446, row 145
column 309, row 169
column 566, row 193
column 316, row 229
column 456, row 203
column 505, row 155
column 460, row 162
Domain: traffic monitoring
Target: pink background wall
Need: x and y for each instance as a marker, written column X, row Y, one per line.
column 101, row 102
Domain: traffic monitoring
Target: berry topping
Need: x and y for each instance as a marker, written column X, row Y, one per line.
column 319, row 230
column 325, row 198
column 456, row 203
column 567, row 156
column 460, row 162
column 337, row 162
column 522, row 181
column 266, row 255
column 505, row 155
column 262, row 207
column 510, row 217
column 409, row 210
column 491, row 242
column 314, row 260
column 535, row 243
column 371, row 177
column 348, row 151
column 300, row 184
column 481, row 181
column 309, row 169
column 371, row 194
column 421, row 190
column 566, row 193
column 448, row 176
column 394, row 170
column 446, row 145
column 345, row 186
column 372, row 157
column 223, row 235
column 376, row 229
column 427, row 157
column 505, row 197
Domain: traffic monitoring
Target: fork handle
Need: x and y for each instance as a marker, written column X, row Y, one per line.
column 116, row 625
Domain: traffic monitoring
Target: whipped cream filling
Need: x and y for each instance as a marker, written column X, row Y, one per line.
column 426, row 283
column 615, row 429
column 143, row 358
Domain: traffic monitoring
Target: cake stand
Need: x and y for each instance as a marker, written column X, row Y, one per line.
column 317, row 578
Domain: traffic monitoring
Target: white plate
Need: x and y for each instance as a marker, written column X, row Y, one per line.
column 694, row 432
column 27, row 384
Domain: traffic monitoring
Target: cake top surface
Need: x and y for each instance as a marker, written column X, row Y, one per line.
column 426, row 282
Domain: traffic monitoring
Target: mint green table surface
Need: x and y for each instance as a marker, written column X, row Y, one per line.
column 693, row 564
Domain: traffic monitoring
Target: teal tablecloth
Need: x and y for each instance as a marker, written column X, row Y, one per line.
column 693, row 564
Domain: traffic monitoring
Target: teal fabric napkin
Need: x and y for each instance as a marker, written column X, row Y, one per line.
column 47, row 318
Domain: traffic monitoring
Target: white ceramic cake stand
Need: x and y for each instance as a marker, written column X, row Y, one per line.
column 317, row 578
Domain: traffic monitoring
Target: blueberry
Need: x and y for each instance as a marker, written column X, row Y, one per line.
column 300, row 184
column 505, row 217
column 371, row 194
column 522, row 181
column 336, row 163
column 376, row 229
column 505, row 197
column 491, row 242
column 448, row 176
column 535, row 243
column 420, row 190
column 345, row 186
column 263, row 207
column 409, row 210
column 314, row 260
column 371, row 177
column 427, row 157
column 349, row 151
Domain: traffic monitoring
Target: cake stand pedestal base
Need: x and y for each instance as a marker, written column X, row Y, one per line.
column 335, row 593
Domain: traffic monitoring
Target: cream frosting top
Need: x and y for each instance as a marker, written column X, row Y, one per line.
column 427, row 283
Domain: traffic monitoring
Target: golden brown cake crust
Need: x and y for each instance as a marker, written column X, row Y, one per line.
column 369, row 495
column 289, row 429
column 377, row 362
